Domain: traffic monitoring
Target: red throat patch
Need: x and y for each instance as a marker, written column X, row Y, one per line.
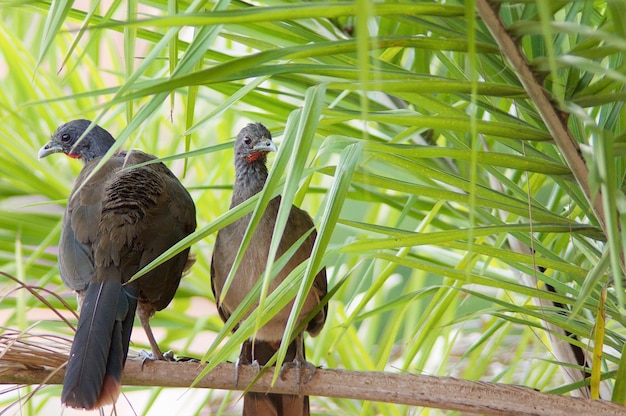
column 254, row 156
column 73, row 155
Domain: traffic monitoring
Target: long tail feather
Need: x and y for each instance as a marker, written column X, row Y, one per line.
column 98, row 353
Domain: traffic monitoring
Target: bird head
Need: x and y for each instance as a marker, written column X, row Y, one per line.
column 66, row 140
column 253, row 143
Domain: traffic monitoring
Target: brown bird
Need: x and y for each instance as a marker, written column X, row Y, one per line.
column 117, row 221
column 251, row 147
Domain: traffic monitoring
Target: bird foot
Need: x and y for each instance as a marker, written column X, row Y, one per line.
column 239, row 363
column 145, row 357
column 150, row 356
column 299, row 365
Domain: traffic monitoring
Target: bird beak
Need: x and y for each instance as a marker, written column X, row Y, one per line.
column 48, row 149
column 265, row 146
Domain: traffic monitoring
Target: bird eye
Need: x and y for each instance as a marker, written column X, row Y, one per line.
column 247, row 140
column 65, row 137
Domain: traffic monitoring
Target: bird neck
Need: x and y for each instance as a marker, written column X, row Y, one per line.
column 99, row 143
column 249, row 180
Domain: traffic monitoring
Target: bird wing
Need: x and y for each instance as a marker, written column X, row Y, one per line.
column 79, row 228
column 101, row 341
column 298, row 224
column 162, row 214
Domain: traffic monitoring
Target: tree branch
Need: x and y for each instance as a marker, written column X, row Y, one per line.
column 549, row 114
column 416, row 390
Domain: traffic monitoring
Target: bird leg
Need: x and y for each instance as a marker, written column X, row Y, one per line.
column 145, row 311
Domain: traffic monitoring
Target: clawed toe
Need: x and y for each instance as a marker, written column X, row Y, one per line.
column 145, row 357
column 239, row 363
column 299, row 365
